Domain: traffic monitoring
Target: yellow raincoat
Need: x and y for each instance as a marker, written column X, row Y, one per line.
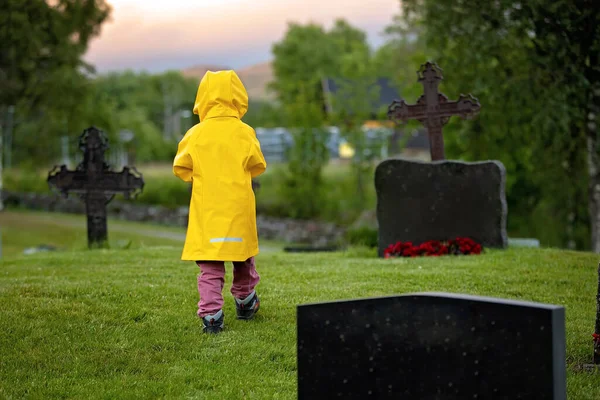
column 220, row 156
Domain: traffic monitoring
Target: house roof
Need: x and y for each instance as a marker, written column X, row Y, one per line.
column 418, row 139
column 387, row 93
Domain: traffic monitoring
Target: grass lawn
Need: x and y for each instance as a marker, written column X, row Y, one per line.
column 23, row 229
column 121, row 323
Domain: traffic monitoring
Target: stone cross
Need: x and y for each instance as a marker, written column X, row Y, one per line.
column 94, row 181
column 433, row 109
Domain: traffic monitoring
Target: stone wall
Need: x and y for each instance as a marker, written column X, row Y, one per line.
column 269, row 228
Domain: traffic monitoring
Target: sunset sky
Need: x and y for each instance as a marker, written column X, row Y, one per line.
column 156, row 35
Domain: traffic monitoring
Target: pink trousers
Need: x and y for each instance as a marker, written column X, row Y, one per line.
column 212, row 279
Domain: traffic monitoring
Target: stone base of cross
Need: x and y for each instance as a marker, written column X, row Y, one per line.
column 94, row 181
column 433, row 109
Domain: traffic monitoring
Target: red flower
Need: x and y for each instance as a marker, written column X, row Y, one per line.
column 433, row 248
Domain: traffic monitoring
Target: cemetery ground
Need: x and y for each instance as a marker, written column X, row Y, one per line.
column 120, row 323
column 21, row 230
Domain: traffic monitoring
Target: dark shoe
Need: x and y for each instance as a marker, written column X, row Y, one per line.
column 246, row 308
column 213, row 323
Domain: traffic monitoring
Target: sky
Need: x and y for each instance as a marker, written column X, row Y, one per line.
column 158, row 35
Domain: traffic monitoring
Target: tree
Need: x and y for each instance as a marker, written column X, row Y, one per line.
column 354, row 103
column 308, row 53
column 40, row 37
column 401, row 55
column 264, row 114
column 42, row 73
column 304, row 183
column 352, row 49
column 534, row 66
column 301, row 60
column 163, row 97
column 398, row 59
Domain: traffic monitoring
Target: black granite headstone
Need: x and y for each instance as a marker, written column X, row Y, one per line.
column 442, row 200
column 431, row 346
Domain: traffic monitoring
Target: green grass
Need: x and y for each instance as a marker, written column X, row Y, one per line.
column 21, row 230
column 121, row 323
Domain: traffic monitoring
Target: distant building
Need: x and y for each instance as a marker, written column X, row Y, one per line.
column 379, row 131
column 387, row 94
column 276, row 142
column 416, row 146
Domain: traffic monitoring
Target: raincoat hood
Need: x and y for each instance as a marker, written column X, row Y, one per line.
column 221, row 94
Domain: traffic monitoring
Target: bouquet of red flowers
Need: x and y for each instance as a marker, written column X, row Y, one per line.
column 456, row 246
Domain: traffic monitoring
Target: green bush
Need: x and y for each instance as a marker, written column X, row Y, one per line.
column 337, row 202
column 159, row 189
column 165, row 191
column 364, row 236
column 25, row 180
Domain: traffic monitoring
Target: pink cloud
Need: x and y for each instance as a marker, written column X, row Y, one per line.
column 233, row 32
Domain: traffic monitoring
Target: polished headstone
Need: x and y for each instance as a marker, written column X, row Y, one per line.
column 431, row 346
column 422, row 201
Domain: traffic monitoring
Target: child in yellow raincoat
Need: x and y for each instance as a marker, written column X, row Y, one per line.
column 220, row 156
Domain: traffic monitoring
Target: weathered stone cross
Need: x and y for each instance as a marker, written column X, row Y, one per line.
column 433, row 108
column 95, row 183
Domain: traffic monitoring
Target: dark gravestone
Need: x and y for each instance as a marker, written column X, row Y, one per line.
column 431, row 346
column 418, row 202
column 421, row 201
column 96, row 183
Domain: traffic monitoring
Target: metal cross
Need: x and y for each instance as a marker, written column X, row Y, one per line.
column 433, row 109
column 96, row 183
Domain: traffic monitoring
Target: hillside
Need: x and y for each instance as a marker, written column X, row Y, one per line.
column 198, row 71
column 255, row 77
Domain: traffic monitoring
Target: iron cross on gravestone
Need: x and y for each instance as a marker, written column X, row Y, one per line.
column 96, row 183
column 433, row 108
